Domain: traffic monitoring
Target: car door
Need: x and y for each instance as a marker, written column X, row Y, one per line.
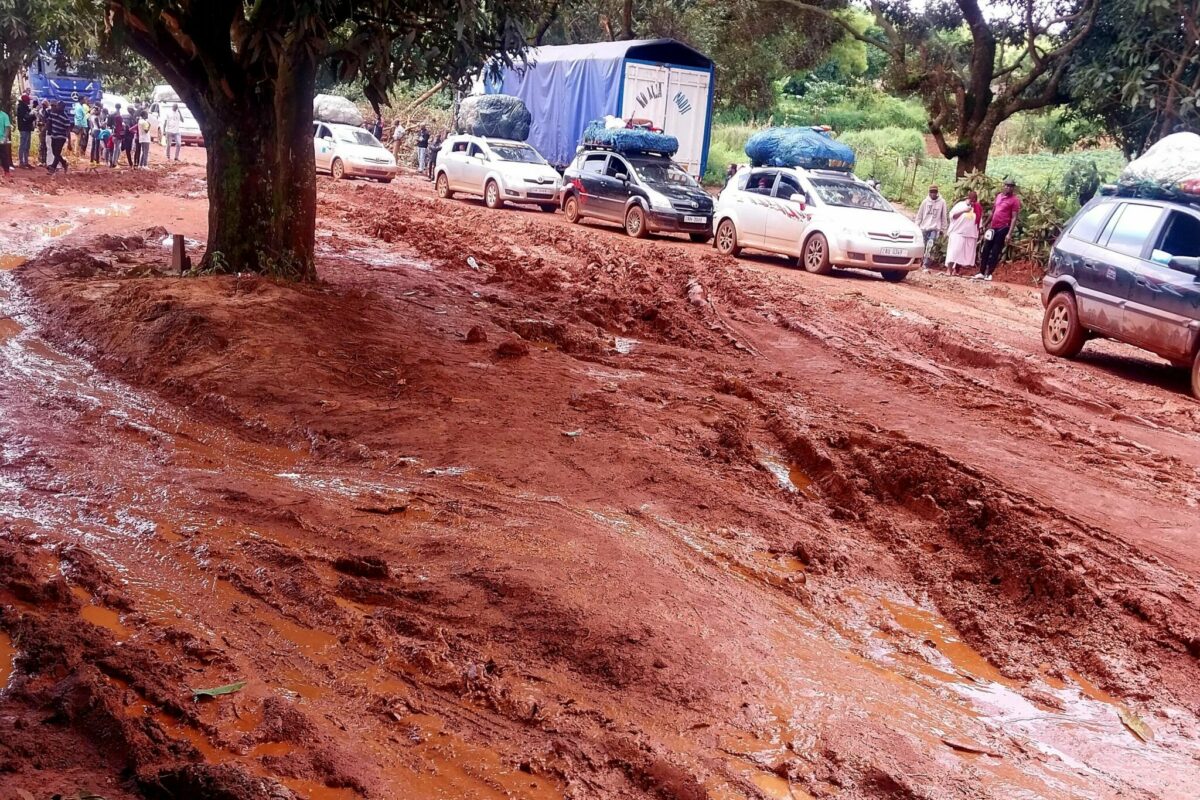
column 456, row 157
column 1164, row 303
column 592, row 201
column 619, row 185
column 475, row 168
column 322, row 145
column 786, row 219
column 1105, row 282
column 753, row 205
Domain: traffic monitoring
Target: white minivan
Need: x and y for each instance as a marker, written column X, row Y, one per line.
column 499, row 170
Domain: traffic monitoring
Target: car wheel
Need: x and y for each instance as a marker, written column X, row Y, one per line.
column 549, row 208
column 894, row 275
column 700, row 238
column 727, row 238
column 385, row 180
column 635, row 222
column 491, row 195
column 816, row 255
column 1062, row 335
column 1196, row 376
column 571, row 209
column 338, row 170
column 442, row 186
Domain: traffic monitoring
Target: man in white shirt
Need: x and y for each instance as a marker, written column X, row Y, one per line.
column 397, row 138
column 173, row 131
column 931, row 219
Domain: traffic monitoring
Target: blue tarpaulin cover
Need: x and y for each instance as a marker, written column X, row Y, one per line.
column 629, row 140
column 798, row 147
column 495, row 116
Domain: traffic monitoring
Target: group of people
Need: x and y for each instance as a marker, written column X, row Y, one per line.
column 97, row 131
column 426, row 145
column 965, row 226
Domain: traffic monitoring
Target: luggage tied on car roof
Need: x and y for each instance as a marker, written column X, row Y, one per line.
column 602, row 133
column 494, row 116
column 811, row 148
column 332, row 108
column 1170, row 170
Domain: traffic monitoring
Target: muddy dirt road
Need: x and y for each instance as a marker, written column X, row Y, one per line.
column 581, row 518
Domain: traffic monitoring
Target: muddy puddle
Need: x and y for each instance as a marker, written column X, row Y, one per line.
column 790, row 477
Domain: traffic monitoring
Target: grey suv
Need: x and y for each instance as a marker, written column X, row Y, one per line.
column 1127, row 269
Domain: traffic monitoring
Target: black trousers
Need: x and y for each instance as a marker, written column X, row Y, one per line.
column 992, row 250
column 6, row 158
column 56, row 146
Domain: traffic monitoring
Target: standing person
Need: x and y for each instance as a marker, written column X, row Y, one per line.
column 143, row 129
column 435, row 151
column 108, row 141
column 43, row 125
column 1005, row 212
column 58, row 125
column 397, row 137
column 965, row 219
column 172, row 128
column 422, row 147
column 116, row 121
column 94, row 127
column 6, row 127
column 377, row 128
column 26, row 121
column 130, row 134
column 79, row 123
column 931, row 219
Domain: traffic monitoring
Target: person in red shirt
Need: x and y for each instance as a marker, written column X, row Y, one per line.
column 1005, row 211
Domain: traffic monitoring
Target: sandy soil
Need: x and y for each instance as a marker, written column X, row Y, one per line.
column 508, row 508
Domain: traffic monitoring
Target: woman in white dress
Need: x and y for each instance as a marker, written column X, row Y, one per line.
column 964, row 234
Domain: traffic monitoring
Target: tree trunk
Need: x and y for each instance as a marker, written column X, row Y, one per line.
column 974, row 157
column 8, row 76
column 262, row 178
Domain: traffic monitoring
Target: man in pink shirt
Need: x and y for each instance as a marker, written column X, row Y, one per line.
column 1005, row 211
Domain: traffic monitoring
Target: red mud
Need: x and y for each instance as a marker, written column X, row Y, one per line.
column 663, row 525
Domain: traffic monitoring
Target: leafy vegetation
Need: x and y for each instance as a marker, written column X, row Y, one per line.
column 850, row 108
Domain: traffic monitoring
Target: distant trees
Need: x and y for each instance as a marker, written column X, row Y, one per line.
column 26, row 25
column 973, row 70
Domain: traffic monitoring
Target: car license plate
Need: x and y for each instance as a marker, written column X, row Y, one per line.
column 695, row 220
column 892, row 251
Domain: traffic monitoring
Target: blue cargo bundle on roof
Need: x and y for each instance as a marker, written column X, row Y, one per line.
column 494, row 116
column 659, row 80
column 811, row 148
column 629, row 140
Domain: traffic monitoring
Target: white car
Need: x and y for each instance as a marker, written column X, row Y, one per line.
column 498, row 169
column 346, row 151
column 822, row 218
column 189, row 128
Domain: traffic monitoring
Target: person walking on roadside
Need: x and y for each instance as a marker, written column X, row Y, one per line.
column 59, row 128
column 143, row 131
column 1005, row 212
column 6, row 127
column 422, row 147
column 43, row 126
column 26, row 122
column 397, row 137
column 931, row 219
column 172, row 128
column 79, row 122
column 116, row 122
column 965, row 219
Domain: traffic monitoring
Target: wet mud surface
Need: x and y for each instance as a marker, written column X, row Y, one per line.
column 578, row 517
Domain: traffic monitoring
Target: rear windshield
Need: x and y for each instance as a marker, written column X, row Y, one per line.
column 661, row 172
column 851, row 195
column 517, row 152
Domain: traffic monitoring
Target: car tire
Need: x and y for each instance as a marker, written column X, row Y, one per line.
column 337, row 169
column 894, row 275
column 1062, row 333
column 491, row 195
column 1196, row 376
column 726, row 241
column 442, row 186
column 816, row 255
column 635, row 222
column 571, row 209
column 549, row 208
column 700, row 238
column 385, row 180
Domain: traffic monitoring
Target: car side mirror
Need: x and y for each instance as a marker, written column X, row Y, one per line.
column 327, row 138
column 799, row 198
column 622, row 177
column 1185, row 264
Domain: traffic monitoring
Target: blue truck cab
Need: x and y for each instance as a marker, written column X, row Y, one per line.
column 45, row 83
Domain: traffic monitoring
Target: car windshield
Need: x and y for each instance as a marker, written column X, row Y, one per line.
column 357, row 136
column 661, row 172
column 517, row 152
column 851, row 195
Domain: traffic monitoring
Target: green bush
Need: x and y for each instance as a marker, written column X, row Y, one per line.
column 903, row 142
column 850, row 108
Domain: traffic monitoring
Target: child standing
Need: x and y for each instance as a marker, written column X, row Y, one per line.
column 109, row 142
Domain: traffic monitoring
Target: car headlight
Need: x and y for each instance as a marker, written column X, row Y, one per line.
column 659, row 202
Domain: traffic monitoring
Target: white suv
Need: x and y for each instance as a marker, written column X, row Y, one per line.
column 498, row 169
column 822, row 218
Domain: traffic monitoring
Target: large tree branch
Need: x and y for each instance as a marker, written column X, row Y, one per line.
column 892, row 47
